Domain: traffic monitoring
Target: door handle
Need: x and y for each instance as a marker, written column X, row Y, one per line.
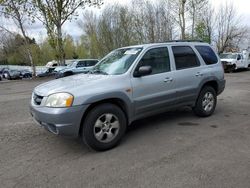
column 168, row 80
column 198, row 74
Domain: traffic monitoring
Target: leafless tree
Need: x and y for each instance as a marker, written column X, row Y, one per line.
column 229, row 28
column 179, row 9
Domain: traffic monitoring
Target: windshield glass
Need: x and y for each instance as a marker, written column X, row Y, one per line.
column 70, row 64
column 117, row 62
column 228, row 56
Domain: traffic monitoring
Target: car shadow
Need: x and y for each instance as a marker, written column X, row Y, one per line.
column 158, row 120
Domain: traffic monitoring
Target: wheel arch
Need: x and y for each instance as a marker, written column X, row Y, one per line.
column 121, row 103
column 213, row 83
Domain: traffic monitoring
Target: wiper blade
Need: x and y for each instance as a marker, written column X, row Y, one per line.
column 98, row 72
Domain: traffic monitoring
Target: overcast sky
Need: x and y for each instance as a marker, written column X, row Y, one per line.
column 39, row 33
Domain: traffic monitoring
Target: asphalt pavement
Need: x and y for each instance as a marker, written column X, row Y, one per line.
column 175, row 149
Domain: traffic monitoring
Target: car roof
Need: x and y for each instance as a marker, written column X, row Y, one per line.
column 86, row 60
column 177, row 43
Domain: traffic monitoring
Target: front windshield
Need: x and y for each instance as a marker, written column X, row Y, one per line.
column 71, row 64
column 117, row 62
column 228, row 56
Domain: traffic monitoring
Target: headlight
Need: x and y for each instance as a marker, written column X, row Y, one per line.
column 59, row 100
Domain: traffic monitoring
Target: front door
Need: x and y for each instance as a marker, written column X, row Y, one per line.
column 155, row 91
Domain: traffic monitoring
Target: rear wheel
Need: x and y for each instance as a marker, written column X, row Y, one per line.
column 206, row 102
column 104, row 127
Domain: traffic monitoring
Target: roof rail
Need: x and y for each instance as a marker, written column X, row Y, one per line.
column 184, row 41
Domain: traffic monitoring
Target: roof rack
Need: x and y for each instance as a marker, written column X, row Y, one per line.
column 184, row 41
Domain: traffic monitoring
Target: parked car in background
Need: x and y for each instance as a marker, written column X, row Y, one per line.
column 25, row 74
column 68, row 62
column 129, row 84
column 11, row 74
column 46, row 72
column 76, row 67
column 1, row 73
column 234, row 61
column 52, row 64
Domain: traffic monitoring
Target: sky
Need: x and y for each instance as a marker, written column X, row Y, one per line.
column 37, row 30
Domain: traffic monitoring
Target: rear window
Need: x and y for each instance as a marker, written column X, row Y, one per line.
column 207, row 54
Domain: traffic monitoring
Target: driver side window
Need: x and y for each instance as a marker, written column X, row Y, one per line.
column 80, row 64
column 157, row 58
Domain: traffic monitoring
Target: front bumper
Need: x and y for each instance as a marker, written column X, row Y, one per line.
column 60, row 121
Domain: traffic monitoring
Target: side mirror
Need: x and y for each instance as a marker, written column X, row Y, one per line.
column 238, row 58
column 143, row 71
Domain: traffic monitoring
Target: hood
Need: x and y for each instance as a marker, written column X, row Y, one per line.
column 65, row 69
column 71, row 84
column 228, row 60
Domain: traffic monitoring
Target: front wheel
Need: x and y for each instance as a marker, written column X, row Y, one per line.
column 67, row 74
column 104, row 127
column 206, row 102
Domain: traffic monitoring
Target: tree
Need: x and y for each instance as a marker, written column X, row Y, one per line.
column 18, row 11
column 54, row 13
column 229, row 29
column 69, row 46
column 201, row 32
column 179, row 9
column 195, row 7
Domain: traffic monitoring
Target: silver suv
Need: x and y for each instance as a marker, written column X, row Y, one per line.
column 76, row 67
column 128, row 84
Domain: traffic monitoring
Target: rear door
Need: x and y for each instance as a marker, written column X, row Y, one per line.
column 188, row 73
column 156, row 91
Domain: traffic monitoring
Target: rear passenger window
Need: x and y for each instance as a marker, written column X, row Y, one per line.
column 185, row 57
column 207, row 54
column 158, row 59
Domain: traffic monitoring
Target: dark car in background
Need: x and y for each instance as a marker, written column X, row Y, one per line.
column 1, row 73
column 25, row 74
column 11, row 74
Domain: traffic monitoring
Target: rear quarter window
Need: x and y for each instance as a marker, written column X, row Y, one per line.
column 207, row 54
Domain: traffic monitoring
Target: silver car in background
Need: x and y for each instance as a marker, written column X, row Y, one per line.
column 76, row 67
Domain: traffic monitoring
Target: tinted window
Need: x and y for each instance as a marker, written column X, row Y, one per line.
column 90, row 63
column 81, row 64
column 207, row 54
column 158, row 59
column 184, row 57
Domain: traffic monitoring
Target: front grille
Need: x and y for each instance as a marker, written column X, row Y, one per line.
column 37, row 99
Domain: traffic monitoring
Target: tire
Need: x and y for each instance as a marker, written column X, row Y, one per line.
column 96, row 127
column 206, row 102
column 232, row 69
column 67, row 74
column 7, row 76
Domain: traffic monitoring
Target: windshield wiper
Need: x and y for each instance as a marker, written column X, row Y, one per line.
column 97, row 71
